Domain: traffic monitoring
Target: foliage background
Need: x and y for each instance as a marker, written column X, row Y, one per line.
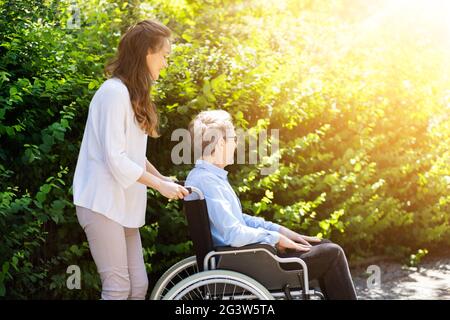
column 360, row 93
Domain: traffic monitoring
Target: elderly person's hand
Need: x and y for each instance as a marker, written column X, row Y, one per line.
column 294, row 236
column 286, row 243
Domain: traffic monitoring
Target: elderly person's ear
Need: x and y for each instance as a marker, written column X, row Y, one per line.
column 221, row 141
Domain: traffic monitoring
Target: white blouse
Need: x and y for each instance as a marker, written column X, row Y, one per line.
column 112, row 158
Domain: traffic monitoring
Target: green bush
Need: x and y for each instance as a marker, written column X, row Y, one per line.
column 364, row 130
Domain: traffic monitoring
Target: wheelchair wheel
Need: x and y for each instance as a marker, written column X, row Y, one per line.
column 218, row 285
column 176, row 273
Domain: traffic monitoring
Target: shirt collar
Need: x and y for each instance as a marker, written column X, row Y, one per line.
column 208, row 166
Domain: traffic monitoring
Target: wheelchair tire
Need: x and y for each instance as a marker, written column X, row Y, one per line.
column 203, row 285
column 176, row 273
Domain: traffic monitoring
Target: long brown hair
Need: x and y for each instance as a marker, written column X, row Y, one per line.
column 130, row 66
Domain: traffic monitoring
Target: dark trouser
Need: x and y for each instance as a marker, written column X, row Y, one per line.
column 327, row 263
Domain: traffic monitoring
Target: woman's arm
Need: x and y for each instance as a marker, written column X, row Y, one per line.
column 152, row 170
column 169, row 189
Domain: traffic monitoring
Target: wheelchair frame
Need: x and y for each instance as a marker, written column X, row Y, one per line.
column 186, row 273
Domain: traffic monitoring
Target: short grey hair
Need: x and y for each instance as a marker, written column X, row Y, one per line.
column 206, row 125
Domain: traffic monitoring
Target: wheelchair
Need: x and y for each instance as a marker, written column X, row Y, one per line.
column 251, row 272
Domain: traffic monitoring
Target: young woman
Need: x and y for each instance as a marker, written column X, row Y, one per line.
column 112, row 172
column 326, row 261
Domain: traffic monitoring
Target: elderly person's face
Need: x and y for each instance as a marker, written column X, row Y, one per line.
column 226, row 146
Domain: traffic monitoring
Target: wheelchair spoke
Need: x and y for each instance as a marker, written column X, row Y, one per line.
column 209, row 293
column 200, row 297
column 174, row 275
column 243, row 293
column 224, row 290
column 190, row 295
column 179, row 277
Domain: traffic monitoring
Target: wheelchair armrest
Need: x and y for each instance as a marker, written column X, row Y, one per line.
column 246, row 247
column 258, row 261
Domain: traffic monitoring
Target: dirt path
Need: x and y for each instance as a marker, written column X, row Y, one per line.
column 431, row 280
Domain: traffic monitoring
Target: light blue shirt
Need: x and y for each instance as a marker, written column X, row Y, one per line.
column 229, row 225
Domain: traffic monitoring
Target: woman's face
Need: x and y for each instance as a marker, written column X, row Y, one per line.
column 157, row 61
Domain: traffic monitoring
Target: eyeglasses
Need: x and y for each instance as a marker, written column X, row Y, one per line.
column 233, row 137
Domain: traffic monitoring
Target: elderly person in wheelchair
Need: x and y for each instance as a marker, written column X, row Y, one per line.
column 246, row 255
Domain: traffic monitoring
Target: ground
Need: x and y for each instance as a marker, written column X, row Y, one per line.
column 430, row 280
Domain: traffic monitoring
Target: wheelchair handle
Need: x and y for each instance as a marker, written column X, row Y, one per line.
column 192, row 189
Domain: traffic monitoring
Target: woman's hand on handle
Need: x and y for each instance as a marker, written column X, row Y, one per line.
column 172, row 190
column 168, row 189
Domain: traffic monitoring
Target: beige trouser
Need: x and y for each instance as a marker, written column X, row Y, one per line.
column 117, row 252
